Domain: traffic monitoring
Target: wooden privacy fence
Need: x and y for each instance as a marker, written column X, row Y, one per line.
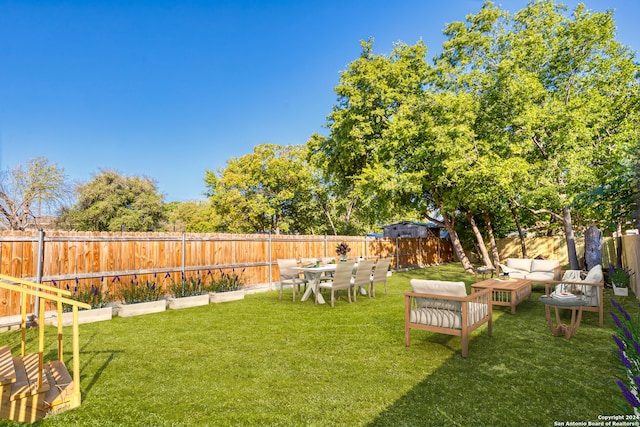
column 109, row 261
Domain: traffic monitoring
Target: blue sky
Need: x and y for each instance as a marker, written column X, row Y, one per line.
column 169, row 89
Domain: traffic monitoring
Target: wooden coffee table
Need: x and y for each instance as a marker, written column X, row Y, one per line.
column 509, row 292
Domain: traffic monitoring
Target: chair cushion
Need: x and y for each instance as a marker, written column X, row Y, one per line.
column 437, row 317
column 439, row 287
column 544, row 265
column 523, row 264
column 594, row 275
column 449, row 318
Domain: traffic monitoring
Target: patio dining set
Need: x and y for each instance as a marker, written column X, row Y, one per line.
column 324, row 273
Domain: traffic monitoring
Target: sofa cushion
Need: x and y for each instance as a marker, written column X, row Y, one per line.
column 521, row 264
column 548, row 265
column 517, row 274
column 540, row 276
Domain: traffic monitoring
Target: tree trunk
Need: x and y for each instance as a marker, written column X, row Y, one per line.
column 457, row 246
column 486, row 259
column 523, row 246
column 571, row 241
column 618, row 245
column 592, row 247
column 492, row 240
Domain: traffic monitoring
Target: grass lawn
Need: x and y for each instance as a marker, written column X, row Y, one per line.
column 262, row 361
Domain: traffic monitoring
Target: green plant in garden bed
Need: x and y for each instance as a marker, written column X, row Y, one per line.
column 225, row 282
column 187, row 287
column 93, row 296
column 621, row 277
column 137, row 291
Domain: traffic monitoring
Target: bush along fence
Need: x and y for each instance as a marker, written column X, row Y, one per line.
column 104, row 263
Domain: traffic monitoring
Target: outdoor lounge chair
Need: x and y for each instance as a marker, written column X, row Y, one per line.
column 379, row 275
column 444, row 307
column 592, row 287
column 290, row 276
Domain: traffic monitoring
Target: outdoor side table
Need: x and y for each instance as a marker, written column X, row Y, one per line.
column 575, row 305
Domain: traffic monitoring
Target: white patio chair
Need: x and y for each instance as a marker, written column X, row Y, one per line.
column 290, row 276
column 380, row 275
column 362, row 279
column 341, row 281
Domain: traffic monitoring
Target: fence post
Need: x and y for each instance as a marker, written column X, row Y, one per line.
column 270, row 252
column 366, row 248
column 184, row 244
column 39, row 268
column 397, row 253
column 326, row 246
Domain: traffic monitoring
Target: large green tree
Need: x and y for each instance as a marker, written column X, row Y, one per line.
column 268, row 190
column 555, row 93
column 192, row 216
column 526, row 110
column 111, row 201
column 28, row 191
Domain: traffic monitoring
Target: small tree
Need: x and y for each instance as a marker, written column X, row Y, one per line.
column 113, row 202
column 28, row 191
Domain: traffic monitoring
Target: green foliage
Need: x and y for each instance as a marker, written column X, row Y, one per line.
column 268, row 190
column 521, row 115
column 193, row 217
column 113, row 202
column 620, row 276
column 137, row 291
column 225, row 282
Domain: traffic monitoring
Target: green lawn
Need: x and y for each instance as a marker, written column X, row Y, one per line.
column 262, row 361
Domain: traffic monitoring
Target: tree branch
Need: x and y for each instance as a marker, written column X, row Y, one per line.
column 539, row 211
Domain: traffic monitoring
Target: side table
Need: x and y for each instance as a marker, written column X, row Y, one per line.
column 575, row 305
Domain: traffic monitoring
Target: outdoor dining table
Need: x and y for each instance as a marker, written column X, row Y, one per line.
column 313, row 275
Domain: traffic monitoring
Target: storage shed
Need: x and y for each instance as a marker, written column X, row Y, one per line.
column 412, row 229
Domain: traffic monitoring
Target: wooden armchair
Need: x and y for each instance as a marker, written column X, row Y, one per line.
column 591, row 287
column 444, row 307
